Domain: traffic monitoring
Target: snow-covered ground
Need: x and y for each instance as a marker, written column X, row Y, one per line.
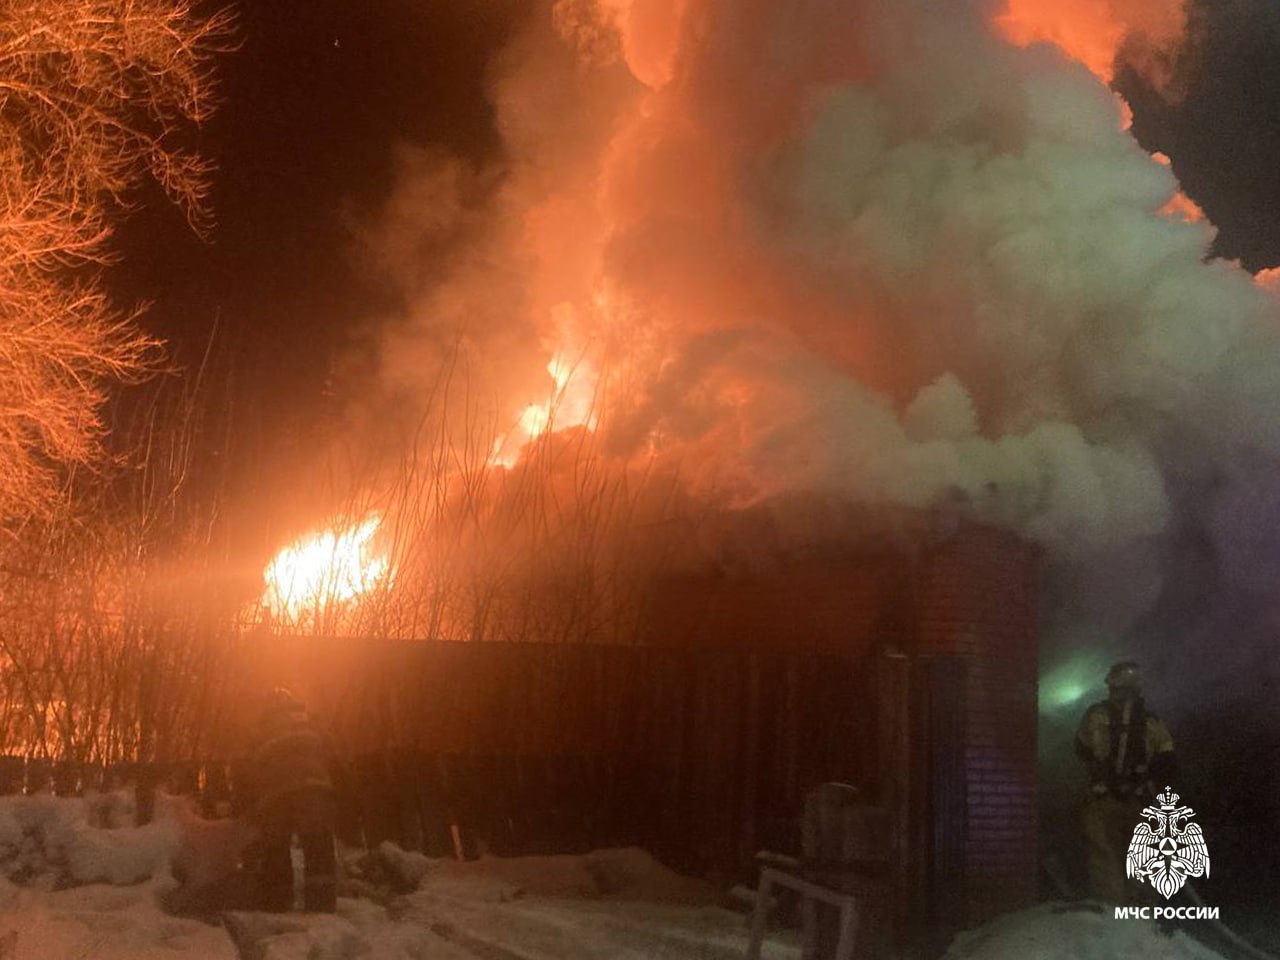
column 1067, row 932
column 77, row 886
column 76, row 882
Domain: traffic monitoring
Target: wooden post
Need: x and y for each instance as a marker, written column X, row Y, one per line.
column 215, row 797
column 12, row 774
column 39, row 774
column 121, row 774
column 433, row 807
column 148, row 778
column 66, row 778
column 377, row 803
column 404, row 789
column 184, row 778
column 93, row 777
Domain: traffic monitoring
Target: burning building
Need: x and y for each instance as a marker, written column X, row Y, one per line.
column 893, row 254
column 903, row 258
column 731, row 413
column 897, row 657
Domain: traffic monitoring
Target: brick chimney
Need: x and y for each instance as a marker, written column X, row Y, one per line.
column 976, row 603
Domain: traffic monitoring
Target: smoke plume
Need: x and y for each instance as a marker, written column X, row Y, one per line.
column 898, row 253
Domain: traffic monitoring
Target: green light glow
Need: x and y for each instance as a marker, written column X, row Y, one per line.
column 1067, row 685
column 1065, row 694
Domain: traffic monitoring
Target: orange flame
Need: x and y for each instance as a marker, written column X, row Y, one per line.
column 571, row 403
column 324, row 570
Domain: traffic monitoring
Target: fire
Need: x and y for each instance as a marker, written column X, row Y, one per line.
column 570, row 403
column 324, row 570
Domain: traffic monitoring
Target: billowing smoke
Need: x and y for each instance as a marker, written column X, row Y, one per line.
column 1094, row 31
column 874, row 251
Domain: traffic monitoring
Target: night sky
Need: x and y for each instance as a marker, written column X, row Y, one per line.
column 1223, row 133
column 312, row 105
column 322, row 92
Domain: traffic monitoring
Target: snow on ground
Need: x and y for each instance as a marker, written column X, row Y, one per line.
column 64, row 841
column 77, row 885
column 615, row 903
column 1062, row 932
column 100, row 922
column 608, row 905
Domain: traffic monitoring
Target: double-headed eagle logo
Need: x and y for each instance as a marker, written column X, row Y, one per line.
column 1166, row 848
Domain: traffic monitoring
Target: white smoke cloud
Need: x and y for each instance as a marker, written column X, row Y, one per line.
column 870, row 250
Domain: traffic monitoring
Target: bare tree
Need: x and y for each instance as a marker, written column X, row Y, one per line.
column 95, row 98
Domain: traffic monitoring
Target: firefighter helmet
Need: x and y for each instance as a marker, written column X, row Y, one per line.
column 1123, row 675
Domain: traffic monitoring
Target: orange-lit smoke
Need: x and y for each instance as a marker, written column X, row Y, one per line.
column 832, row 248
column 1092, row 31
column 1180, row 205
column 1269, row 279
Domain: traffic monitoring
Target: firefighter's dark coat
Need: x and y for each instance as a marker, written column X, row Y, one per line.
column 293, row 794
column 290, row 756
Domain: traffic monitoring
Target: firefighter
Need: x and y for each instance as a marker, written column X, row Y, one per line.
column 1129, row 755
column 292, row 793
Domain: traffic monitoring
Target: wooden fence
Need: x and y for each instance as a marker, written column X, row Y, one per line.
column 703, row 755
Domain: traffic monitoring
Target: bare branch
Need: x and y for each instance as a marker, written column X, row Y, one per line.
column 96, row 97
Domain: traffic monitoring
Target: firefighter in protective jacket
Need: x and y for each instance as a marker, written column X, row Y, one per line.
column 293, row 794
column 1129, row 755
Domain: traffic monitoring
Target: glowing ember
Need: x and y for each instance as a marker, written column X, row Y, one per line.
column 323, row 570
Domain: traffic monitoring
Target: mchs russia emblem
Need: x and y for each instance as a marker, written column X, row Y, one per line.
column 1166, row 847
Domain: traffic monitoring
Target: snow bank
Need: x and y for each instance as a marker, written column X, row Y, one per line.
column 103, row 923
column 359, row 930
column 454, row 926
column 1062, row 932
column 606, row 905
column 407, row 868
column 626, row 874
column 56, row 841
